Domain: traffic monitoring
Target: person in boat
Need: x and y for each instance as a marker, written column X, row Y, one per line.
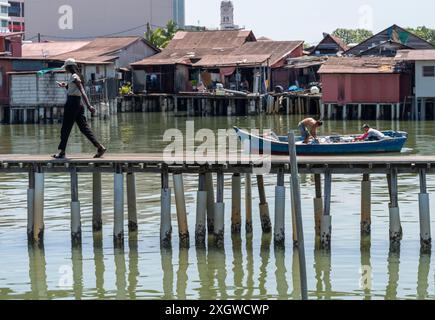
column 308, row 128
column 370, row 134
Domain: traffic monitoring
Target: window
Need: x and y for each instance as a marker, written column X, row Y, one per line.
column 15, row 9
column 428, row 71
column 5, row 24
column 4, row 10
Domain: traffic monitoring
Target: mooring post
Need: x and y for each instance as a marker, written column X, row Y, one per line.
column 210, row 202
column 248, row 203
column 279, row 229
column 118, row 227
column 219, row 211
column 298, row 213
column 264, row 206
column 395, row 224
column 180, row 201
column 318, row 204
column 30, row 204
column 424, row 213
column 131, row 202
column 76, row 224
column 97, row 204
column 165, row 212
column 366, row 209
column 201, row 209
column 38, row 222
column 236, row 205
column 325, row 228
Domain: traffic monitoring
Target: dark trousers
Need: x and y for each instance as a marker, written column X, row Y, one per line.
column 75, row 113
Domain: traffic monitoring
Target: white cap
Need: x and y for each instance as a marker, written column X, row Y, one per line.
column 69, row 62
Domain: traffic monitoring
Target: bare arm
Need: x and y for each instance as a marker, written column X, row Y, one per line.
column 83, row 92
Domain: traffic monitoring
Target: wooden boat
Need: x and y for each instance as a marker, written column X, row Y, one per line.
column 328, row 145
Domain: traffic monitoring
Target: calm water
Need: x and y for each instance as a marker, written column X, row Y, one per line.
column 248, row 268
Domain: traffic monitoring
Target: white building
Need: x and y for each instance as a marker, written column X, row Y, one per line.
column 79, row 19
column 227, row 16
column 16, row 15
column 4, row 16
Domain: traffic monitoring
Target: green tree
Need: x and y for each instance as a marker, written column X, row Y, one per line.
column 160, row 37
column 352, row 35
column 424, row 33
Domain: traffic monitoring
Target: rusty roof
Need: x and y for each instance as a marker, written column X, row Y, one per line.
column 415, row 55
column 51, row 48
column 192, row 40
column 305, row 62
column 277, row 50
column 188, row 47
column 232, row 60
column 100, row 50
column 358, row 65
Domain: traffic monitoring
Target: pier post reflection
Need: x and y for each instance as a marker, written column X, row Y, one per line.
column 237, row 267
column 133, row 265
column 366, row 267
column 77, row 270
column 168, row 273
column 37, row 272
column 266, row 241
column 99, row 266
column 423, row 276
column 393, row 274
column 249, row 268
column 282, row 286
column 322, row 267
column 204, row 281
column 183, row 265
column 120, row 272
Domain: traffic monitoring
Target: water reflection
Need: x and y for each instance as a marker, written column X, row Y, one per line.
column 168, row 274
column 99, row 266
column 133, row 266
column 37, row 273
column 77, row 270
column 393, row 275
column 366, row 267
column 182, row 278
column 238, row 272
column 266, row 241
column 322, row 267
column 423, row 276
column 282, row 286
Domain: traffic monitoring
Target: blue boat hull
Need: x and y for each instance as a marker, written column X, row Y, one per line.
column 394, row 143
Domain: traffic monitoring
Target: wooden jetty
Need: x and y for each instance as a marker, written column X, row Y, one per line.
column 210, row 205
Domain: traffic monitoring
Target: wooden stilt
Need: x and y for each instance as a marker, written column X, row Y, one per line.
column 279, row 229
column 210, row 202
column 38, row 226
column 97, row 207
column 318, row 204
column 165, row 213
column 183, row 230
column 424, row 214
column 264, row 206
column 219, row 211
column 395, row 224
column 131, row 202
column 236, row 217
column 30, row 205
column 76, row 225
column 118, row 226
column 366, row 194
column 201, row 209
column 248, row 203
column 325, row 233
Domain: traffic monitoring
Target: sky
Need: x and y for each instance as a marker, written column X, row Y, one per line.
column 308, row 19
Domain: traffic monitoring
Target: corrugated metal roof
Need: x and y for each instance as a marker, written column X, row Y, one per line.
column 277, row 50
column 305, row 62
column 415, row 55
column 48, row 49
column 101, row 49
column 191, row 40
column 358, row 65
column 231, row 60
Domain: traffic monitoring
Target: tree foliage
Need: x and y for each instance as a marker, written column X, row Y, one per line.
column 352, row 35
column 424, row 33
column 160, row 37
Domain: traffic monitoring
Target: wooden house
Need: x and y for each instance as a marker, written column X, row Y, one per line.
column 329, row 46
column 388, row 42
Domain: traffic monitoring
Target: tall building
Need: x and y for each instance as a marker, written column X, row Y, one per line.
column 16, row 15
column 227, row 16
column 4, row 16
column 83, row 19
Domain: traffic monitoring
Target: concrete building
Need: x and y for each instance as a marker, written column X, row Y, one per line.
column 227, row 16
column 73, row 19
column 16, row 15
column 4, row 16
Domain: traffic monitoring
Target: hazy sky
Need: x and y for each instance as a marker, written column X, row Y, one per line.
column 307, row 19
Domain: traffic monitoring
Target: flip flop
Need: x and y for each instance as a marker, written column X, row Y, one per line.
column 100, row 153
